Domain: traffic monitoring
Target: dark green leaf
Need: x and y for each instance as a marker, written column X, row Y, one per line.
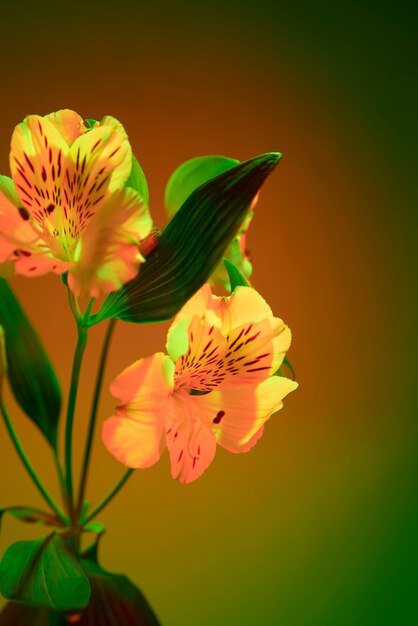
column 190, row 175
column 44, row 574
column 190, row 246
column 235, row 277
column 19, row 615
column 90, row 123
column 32, row 516
column 137, row 181
column 286, row 365
column 114, row 601
column 32, row 378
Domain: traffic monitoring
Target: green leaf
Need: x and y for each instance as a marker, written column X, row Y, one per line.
column 137, row 181
column 190, row 246
column 44, row 574
column 32, row 516
column 32, row 378
column 236, row 279
column 90, row 123
column 190, row 175
column 114, row 600
column 19, row 615
column 8, row 188
column 286, row 365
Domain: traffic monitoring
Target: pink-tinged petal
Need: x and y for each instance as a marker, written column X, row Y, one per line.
column 21, row 250
column 238, row 415
column 191, row 444
column 134, row 435
column 142, row 380
column 38, row 264
column 68, row 123
column 108, row 254
column 15, row 230
column 136, row 444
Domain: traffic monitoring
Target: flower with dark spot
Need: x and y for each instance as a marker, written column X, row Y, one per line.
column 216, row 385
column 67, row 205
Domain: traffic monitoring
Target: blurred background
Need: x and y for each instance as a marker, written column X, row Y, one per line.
column 318, row 524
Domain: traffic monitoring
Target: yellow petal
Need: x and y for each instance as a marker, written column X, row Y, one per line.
column 238, row 414
column 108, row 250
column 134, row 435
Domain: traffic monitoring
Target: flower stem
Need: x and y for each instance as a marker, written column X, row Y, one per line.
column 49, row 499
column 61, row 477
column 78, row 357
column 93, row 414
column 108, row 498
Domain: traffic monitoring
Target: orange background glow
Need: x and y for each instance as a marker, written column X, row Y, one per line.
column 317, row 525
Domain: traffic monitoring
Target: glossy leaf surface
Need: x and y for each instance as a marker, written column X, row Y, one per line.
column 190, row 175
column 190, row 246
column 114, row 601
column 236, row 279
column 138, row 181
column 32, row 378
column 44, row 574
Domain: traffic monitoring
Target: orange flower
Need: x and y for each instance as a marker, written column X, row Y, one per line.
column 215, row 386
column 67, row 208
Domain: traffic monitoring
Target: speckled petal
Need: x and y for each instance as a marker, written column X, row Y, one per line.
column 237, row 415
column 108, row 255
column 191, row 444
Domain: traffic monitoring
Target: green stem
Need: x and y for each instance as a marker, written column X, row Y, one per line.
column 93, row 415
column 108, row 498
column 61, row 476
column 78, row 357
column 49, row 499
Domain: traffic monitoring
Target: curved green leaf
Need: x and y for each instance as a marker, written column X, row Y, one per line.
column 32, row 516
column 285, row 368
column 137, row 181
column 236, row 279
column 190, row 175
column 44, row 574
column 190, row 246
column 114, row 601
column 32, row 378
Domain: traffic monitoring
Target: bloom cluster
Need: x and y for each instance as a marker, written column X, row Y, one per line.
column 70, row 208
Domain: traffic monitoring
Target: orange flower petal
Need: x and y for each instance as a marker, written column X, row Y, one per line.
column 108, row 255
column 134, row 435
column 192, row 446
column 238, row 414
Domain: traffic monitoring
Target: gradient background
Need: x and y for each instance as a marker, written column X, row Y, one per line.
column 318, row 524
